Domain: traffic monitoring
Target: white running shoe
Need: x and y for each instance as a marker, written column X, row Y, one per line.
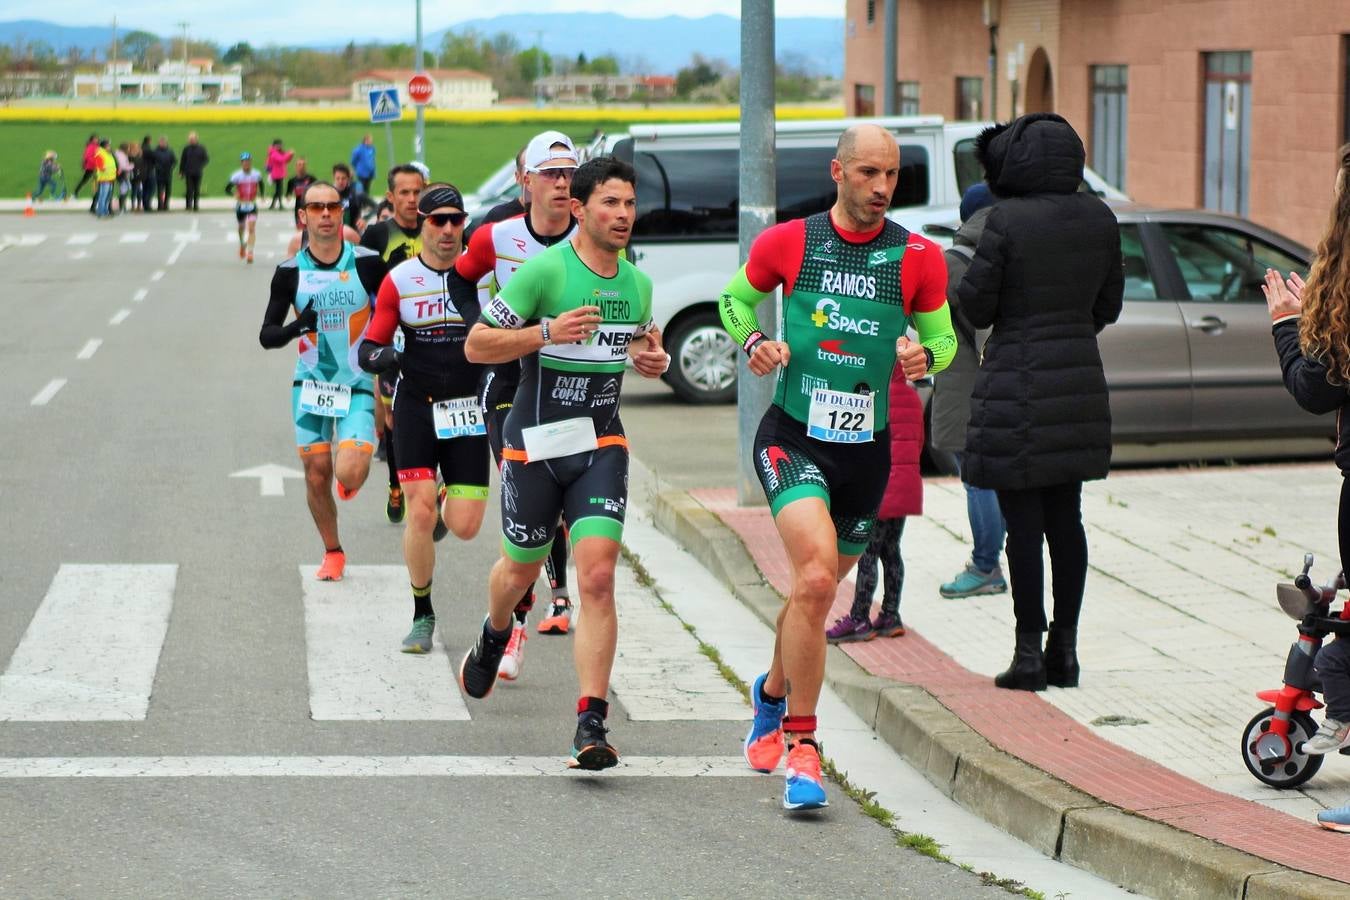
column 509, row 668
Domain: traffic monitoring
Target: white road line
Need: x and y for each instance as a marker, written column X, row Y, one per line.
column 364, row 767
column 177, row 252
column 659, row 673
column 22, row 240
column 356, row 672
column 135, row 237
column 84, row 237
column 90, row 348
column 119, row 317
column 157, row 275
column 107, row 677
column 181, row 236
column 78, row 254
column 44, row 396
column 139, row 295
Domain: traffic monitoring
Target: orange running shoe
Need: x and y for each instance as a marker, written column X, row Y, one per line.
column 249, row 257
column 241, row 251
column 763, row 746
column 804, row 788
column 334, row 562
column 343, row 493
column 558, row 619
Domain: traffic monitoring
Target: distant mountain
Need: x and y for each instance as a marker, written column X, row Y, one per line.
column 59, row 37
column 665, row 44
column 658, row 46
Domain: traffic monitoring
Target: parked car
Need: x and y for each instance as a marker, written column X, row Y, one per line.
column 1191, row 358
column 685, row 235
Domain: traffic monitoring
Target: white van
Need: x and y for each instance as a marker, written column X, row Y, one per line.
column 685, row 236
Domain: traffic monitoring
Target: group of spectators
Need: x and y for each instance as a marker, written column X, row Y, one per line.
column 140, row 176
column 137, row 175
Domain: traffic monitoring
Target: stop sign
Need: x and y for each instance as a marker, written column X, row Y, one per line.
column 419, row 88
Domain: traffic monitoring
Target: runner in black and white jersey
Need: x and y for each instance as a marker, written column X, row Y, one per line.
column 437, row 424
column 494, row 253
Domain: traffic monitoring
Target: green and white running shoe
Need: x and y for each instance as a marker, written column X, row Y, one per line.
column 419, row 639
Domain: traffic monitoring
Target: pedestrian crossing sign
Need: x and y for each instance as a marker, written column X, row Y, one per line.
column 384, row 105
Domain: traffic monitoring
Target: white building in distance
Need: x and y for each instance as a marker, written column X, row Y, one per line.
column 197, row 82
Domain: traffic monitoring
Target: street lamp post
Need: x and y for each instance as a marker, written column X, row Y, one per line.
column 991, row 11
column 184, row 26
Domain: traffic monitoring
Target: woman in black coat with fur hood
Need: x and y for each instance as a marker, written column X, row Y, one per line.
column 1047, row 277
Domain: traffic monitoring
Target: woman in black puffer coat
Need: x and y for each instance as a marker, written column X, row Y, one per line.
column 1047, row 276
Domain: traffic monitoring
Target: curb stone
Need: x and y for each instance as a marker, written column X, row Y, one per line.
column 1059, row 820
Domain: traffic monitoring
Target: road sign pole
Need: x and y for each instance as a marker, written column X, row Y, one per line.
column 389, row 142
column 419, row 144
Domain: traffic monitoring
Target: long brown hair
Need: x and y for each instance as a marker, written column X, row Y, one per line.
column 1324, row 327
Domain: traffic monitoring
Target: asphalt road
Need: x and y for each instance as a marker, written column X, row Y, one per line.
column 122, row 458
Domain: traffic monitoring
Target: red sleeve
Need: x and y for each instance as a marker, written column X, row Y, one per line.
column 480, row 257
column 385, row 320
column 776, row 257
column 923, row 276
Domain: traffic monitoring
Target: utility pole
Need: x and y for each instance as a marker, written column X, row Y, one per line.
column 419, row 134
column 184, row 26
column 112, row 67
column 758, row 211
column 538, row 68
column 890, row 22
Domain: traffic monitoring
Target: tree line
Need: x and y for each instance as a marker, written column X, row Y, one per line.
column 269, row 72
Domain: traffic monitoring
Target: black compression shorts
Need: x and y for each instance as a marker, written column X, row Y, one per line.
column 590, row 490
column 850, row 478
column 463, row 461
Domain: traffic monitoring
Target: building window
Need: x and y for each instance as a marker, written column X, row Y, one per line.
column 1228, row 113
column 908, row 92
column 1109, row 103
column 1345, row 88
column 871, row 11
column 864, row 100
column 970, row 98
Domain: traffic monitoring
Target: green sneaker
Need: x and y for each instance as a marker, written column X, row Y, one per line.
column 972, row 582
column 419, row 639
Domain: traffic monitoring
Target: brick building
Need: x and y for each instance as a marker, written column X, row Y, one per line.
column 1233, row 105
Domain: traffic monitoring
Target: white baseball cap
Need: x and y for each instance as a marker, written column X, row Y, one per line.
column 541, row 152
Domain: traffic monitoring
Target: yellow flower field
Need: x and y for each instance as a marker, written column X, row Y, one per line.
column 167, row 114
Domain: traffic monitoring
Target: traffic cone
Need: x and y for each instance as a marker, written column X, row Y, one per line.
column 28, row 210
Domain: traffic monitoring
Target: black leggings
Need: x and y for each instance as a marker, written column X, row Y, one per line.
column 884, row 547
column 1055, row 515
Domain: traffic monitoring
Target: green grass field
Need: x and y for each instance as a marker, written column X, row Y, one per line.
column 462, row 154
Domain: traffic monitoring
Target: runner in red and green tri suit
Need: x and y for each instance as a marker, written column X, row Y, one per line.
column 853, row 284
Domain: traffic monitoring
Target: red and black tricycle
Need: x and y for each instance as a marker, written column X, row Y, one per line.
column 1272, row 742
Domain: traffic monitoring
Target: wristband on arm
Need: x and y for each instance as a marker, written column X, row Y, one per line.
column 753, row 341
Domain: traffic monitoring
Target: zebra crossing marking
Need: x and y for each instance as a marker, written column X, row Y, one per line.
column 58, row 675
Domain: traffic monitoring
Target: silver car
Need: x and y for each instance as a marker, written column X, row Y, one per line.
column 1191, row 357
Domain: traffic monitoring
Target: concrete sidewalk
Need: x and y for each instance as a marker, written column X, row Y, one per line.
column 1136, row 775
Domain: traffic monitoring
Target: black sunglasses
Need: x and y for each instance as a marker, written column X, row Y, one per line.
column 440, row 220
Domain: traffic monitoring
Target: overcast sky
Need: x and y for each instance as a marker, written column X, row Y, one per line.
column 304, row 21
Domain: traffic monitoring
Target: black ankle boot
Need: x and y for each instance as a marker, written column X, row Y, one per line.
column 1027, row 672
column 1061, row 657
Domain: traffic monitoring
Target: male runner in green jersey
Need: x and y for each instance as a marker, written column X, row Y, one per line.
column 853, row 282
column 570, row 314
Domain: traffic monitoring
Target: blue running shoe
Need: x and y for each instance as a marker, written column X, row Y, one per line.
column 803, row 789
column 764, row 744
column 1335, row 819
